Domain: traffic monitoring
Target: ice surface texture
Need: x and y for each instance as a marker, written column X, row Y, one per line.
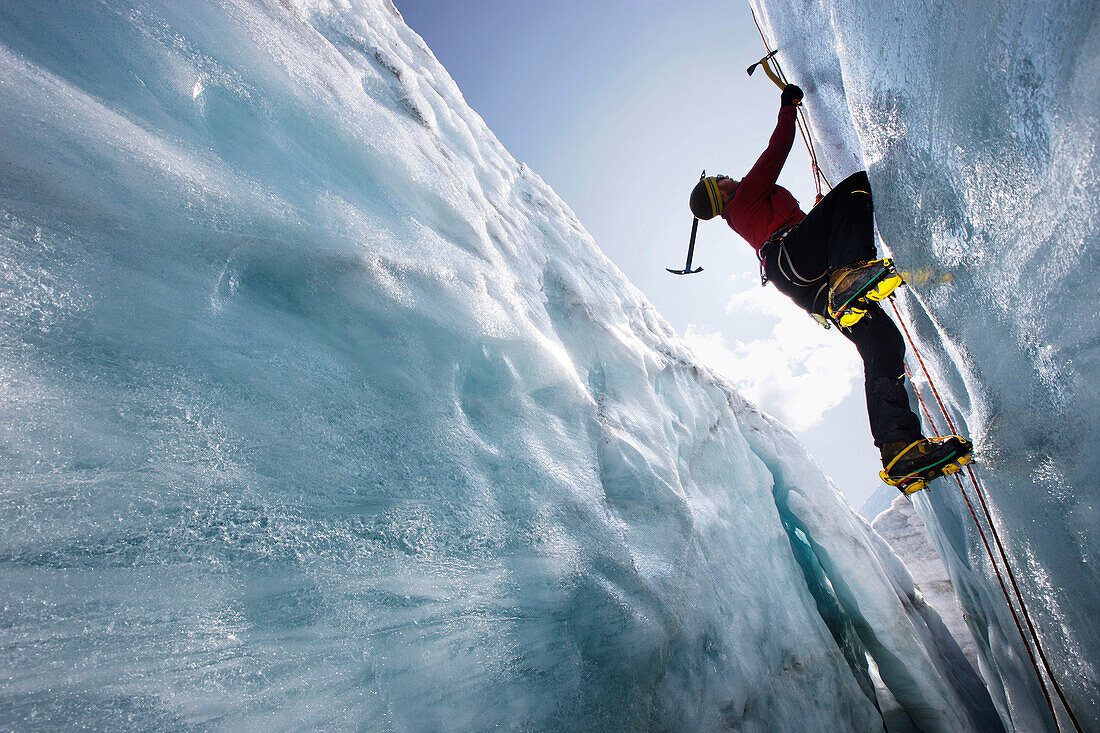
column 978, row 121
column 322, row 412
column 904, row 531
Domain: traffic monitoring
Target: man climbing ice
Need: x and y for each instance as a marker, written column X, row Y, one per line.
column 825, row 262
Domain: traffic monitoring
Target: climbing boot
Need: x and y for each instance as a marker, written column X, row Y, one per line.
column 860, row 284
column 910, row 466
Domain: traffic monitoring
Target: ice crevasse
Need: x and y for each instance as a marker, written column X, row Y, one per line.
column 321, row 411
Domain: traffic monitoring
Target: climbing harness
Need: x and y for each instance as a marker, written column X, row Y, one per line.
column 777, row 242
column 1031, row 637
column 774, row 241
column 795, row 277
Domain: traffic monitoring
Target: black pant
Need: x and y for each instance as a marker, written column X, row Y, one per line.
column 837, row 232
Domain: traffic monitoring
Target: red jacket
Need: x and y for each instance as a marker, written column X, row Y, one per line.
column 759, row 206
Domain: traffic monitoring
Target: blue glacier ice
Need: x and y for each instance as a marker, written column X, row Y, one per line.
column 978, row 123
column 322, row 412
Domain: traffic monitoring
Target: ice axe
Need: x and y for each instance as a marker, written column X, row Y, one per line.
column 767, row 62
column 691, row 245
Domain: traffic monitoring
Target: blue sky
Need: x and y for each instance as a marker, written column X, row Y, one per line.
column 619, row 106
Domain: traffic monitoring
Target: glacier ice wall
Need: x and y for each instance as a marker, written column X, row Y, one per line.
column 319, row 411
column 978, row 124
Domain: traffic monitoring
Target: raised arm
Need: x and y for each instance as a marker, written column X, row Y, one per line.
column 759, row 181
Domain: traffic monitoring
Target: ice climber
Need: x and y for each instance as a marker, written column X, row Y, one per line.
column 825, row 262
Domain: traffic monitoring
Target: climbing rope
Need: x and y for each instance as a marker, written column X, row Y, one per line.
column 779, row 78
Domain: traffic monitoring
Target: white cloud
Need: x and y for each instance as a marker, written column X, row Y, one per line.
column 796, row 373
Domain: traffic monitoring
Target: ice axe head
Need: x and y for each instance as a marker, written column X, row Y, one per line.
column 684, row 272
column 761, row 61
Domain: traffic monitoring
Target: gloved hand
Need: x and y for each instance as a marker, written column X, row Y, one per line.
column 791, row 95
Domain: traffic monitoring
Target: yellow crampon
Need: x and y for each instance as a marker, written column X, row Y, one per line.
column 850, row 317
column 849, row 314
column 885, row 287
column 912, row 483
